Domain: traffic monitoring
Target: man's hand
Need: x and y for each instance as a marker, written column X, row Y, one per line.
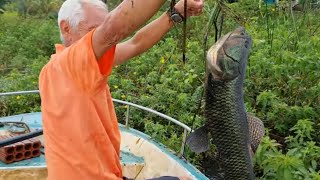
column 194, row 7
column 151, row 34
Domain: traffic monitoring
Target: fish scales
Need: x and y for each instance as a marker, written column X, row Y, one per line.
column 228, row 120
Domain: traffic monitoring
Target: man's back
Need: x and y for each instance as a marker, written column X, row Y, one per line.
column 82, row 139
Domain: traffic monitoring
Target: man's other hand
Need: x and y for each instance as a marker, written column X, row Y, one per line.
column 194, row 7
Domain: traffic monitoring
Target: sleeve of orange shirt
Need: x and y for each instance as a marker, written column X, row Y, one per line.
column 78, row 61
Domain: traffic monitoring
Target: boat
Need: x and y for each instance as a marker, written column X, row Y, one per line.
column 142, row 157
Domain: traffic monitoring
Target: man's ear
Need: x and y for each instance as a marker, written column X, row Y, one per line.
column 65, row 29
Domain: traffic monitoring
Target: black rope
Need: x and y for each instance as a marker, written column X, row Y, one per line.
column 184, row 32
column 20, row 138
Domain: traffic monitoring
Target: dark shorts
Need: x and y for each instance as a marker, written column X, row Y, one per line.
column 160, row 178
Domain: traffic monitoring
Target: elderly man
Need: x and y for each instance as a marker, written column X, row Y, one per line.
column 79, row 121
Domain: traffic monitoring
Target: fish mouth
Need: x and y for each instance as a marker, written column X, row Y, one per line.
column 226, row 59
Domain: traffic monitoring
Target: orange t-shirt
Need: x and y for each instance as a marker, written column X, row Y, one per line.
column 81, row 133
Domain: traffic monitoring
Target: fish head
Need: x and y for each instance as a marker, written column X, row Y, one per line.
column 227, row 58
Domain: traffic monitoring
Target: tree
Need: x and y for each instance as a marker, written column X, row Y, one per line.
column 41, row 8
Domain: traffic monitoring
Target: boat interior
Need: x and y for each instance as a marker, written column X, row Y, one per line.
column 142, row 157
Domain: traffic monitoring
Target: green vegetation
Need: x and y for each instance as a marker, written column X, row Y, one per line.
column 282, row 82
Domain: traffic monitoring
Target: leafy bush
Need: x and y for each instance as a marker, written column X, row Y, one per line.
column 301, row 161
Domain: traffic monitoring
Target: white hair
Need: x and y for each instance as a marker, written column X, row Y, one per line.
column 72, row 12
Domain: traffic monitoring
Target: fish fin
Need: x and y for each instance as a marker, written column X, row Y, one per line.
column 256, row 131
column 198, row 141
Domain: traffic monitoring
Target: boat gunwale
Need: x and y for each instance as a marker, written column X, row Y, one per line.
column 186, row 128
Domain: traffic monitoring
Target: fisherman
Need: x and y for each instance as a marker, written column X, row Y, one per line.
column 79, row 121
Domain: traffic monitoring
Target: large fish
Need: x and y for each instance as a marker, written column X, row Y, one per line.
column 235, row 133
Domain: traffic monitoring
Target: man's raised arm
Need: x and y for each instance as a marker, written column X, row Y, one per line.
column 123, row 21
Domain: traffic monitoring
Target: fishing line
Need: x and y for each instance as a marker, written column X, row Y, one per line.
column 184, row 38
column 213, row 20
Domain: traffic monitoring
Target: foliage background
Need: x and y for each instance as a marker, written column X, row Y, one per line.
column 282, row 81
